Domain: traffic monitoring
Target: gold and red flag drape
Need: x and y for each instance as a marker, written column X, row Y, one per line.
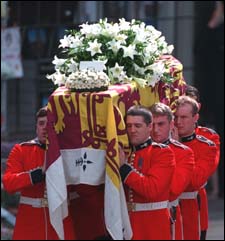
column 84, row 133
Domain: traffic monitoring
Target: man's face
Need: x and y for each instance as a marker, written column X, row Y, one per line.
column 185, row 120
column 138, row 131
column 41, row 129
column 161, row 128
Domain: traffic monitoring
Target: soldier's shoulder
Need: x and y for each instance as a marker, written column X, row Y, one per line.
column 178, row 144
column 159, row 145
column 205, row 129
column 203, row 139
column 29, row 143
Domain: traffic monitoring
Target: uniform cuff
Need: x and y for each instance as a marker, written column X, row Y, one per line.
column 125, row 169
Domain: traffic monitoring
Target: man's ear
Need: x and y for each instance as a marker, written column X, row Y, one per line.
column 199, row 106
column 171, row 124
column 196, row 117
column 150, row 125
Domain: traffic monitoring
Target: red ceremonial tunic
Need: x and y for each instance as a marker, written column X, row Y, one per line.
column 205, row 152
column 212, row 136
column 184, row 158
column 147, row 180
column 32, row 223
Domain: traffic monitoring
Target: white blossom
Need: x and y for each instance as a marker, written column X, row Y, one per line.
column 65, row 42
column 114, row 45
column 58, row 62
column 130, row 51
column 116, row 70
column 58, row 78
column 158, row 70
column 75, row 42
column 124, row 25
column 94, row 47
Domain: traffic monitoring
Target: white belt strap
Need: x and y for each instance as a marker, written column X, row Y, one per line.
column 204, row 185
column 42, row 202
column 182, row 228
column 134, row 207
column 188, row 195
column 173, row 231
column 173, row 203
column 34, row 202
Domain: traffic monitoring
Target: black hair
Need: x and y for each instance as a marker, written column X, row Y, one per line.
column 192, row 92
column 41, row 112
column 138, row 110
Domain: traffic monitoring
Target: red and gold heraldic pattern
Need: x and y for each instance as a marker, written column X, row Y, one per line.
column 95, row 119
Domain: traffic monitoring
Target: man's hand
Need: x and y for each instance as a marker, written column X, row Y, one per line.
column 37, row 175
column 122, row 156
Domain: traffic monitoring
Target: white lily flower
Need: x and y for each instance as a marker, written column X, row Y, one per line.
column 75, row 42
column 58, row 78
column 129, row 51
column 116, row 70
column 94, row 47
column 115, row 46
column 170, row 49
column 124, row 25
column 65, row 42
column 158, row 71
column 150, row 49
column 58, row 62
column 121, row 38
column 123, row 78
column 141, row 37
column 90, row 30
column 141, row 82
column 139, row 69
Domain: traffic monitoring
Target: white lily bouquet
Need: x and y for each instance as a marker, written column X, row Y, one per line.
column 131, row 51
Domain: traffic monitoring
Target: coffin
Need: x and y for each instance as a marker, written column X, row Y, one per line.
column 84, row 132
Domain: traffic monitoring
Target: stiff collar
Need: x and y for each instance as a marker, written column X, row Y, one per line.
column 167, row 142
column 143, row 145
column 188, row 138
column 42, row 145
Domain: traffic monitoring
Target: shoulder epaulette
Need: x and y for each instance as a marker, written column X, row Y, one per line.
column 29, row 143
column 32, row 143
column 159, row 145
column 178, row 144
column 205, row 140
column 206, row 129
